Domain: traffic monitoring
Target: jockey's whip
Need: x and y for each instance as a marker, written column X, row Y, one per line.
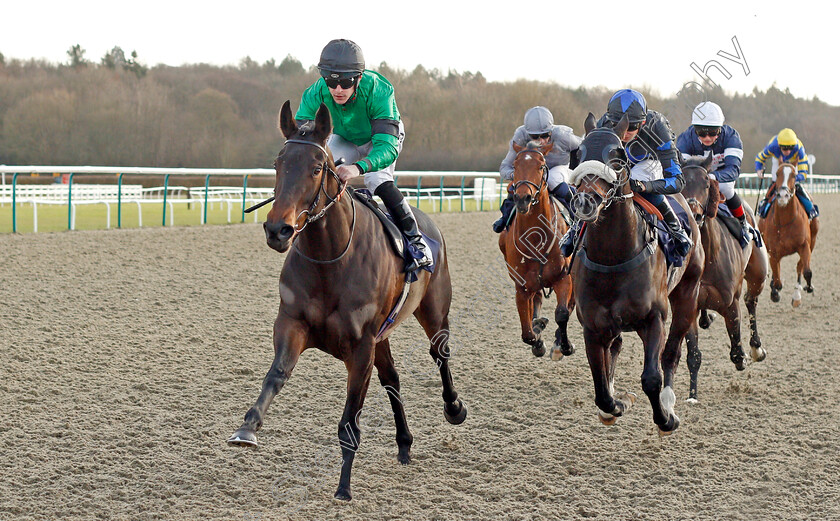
column 760, row 188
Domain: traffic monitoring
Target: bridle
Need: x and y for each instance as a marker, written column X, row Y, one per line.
column 700, row 219
column 325, row 168
column 543, row 179
column 584, row 199
column 307, row 213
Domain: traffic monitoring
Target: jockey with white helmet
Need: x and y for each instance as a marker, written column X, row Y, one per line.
column 708, row 135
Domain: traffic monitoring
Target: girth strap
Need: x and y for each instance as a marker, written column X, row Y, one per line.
column 633, row 263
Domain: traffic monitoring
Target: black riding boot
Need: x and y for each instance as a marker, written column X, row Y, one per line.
column 403, row 217
column 682, row 239
column 567, row 243
column 734, row 203
column 564, row 193
column 506, row 209
column 806, row 200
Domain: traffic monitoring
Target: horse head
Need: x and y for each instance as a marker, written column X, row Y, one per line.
column 302, row 171
column 785, row 179
column 530, row 175
column 702, row 192
column 601, row 177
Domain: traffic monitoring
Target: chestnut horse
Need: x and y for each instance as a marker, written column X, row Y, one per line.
column 786, row 231
column 728, row 266
column 338, row 285
column 531, row 247
column 622, row 282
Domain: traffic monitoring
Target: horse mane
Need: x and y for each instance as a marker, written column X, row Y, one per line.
column 714, row 198
column 593, row 167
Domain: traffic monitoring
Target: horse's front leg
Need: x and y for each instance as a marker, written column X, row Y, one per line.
column 565, row 303
column 525, row 307
column 732, row 317
column 803, row 267
column 599, row 352
column 289, row 342
column 652, row 334
column 694, row 359
column 359, row 369
column 776, row 278
column 754, row 277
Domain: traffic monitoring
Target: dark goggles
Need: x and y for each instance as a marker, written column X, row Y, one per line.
column 632, row 127
column 787, row 148
column 707, row 131
column 344, row 83
column 540, row 136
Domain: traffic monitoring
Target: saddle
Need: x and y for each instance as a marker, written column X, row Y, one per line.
column 731, row 223
column 398, row 242
column 395, row 236
column 653, row 217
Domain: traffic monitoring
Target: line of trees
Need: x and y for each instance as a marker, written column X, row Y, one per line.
column 118, row 112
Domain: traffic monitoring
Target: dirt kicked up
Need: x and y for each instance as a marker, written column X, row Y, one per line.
column 128, row 357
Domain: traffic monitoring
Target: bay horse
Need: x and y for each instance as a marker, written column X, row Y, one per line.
column 622, row 282
column 727, row 268
column 531, row 248
column 337, row 286
column 786, row 231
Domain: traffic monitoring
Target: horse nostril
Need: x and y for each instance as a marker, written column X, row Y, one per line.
column 280, row 231
column 285, row 232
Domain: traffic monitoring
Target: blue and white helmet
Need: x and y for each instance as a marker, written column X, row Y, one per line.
column 627, row 101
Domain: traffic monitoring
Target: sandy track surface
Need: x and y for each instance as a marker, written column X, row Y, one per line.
column 129, row 357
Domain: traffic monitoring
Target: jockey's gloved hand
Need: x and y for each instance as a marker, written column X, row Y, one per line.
column 640, row 187
column 799, row 178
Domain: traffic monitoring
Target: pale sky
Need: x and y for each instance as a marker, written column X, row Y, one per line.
column 580, row 43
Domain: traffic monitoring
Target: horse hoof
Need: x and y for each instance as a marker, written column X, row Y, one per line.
column 708, row 322
column 607, row 420
column 795, row 302
column 457, row 418
column 809, row 289
column 343, row 494
column 243, row 438
column 758, row 354
column 569, row 350
column 404, row 457
column 693, row 401
column 739, row 364
column 539, row 324
column 556, row 353
column 538, row 349
column 670, row 426
column 627, row 399
column 774, row 296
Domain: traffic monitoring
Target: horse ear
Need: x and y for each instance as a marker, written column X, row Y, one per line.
column 323, row 123
column 517, row 148
column 589, row 124
column 286, row 123
column 621, row 127
column 707, row 162
column 545, row 149
column 714, row 198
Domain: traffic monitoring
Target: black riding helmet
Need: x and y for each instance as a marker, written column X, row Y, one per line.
column 627, row 101
column 341, row 59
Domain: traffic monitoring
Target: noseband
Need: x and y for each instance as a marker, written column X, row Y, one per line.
column 325, row 167
column 543, row 179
